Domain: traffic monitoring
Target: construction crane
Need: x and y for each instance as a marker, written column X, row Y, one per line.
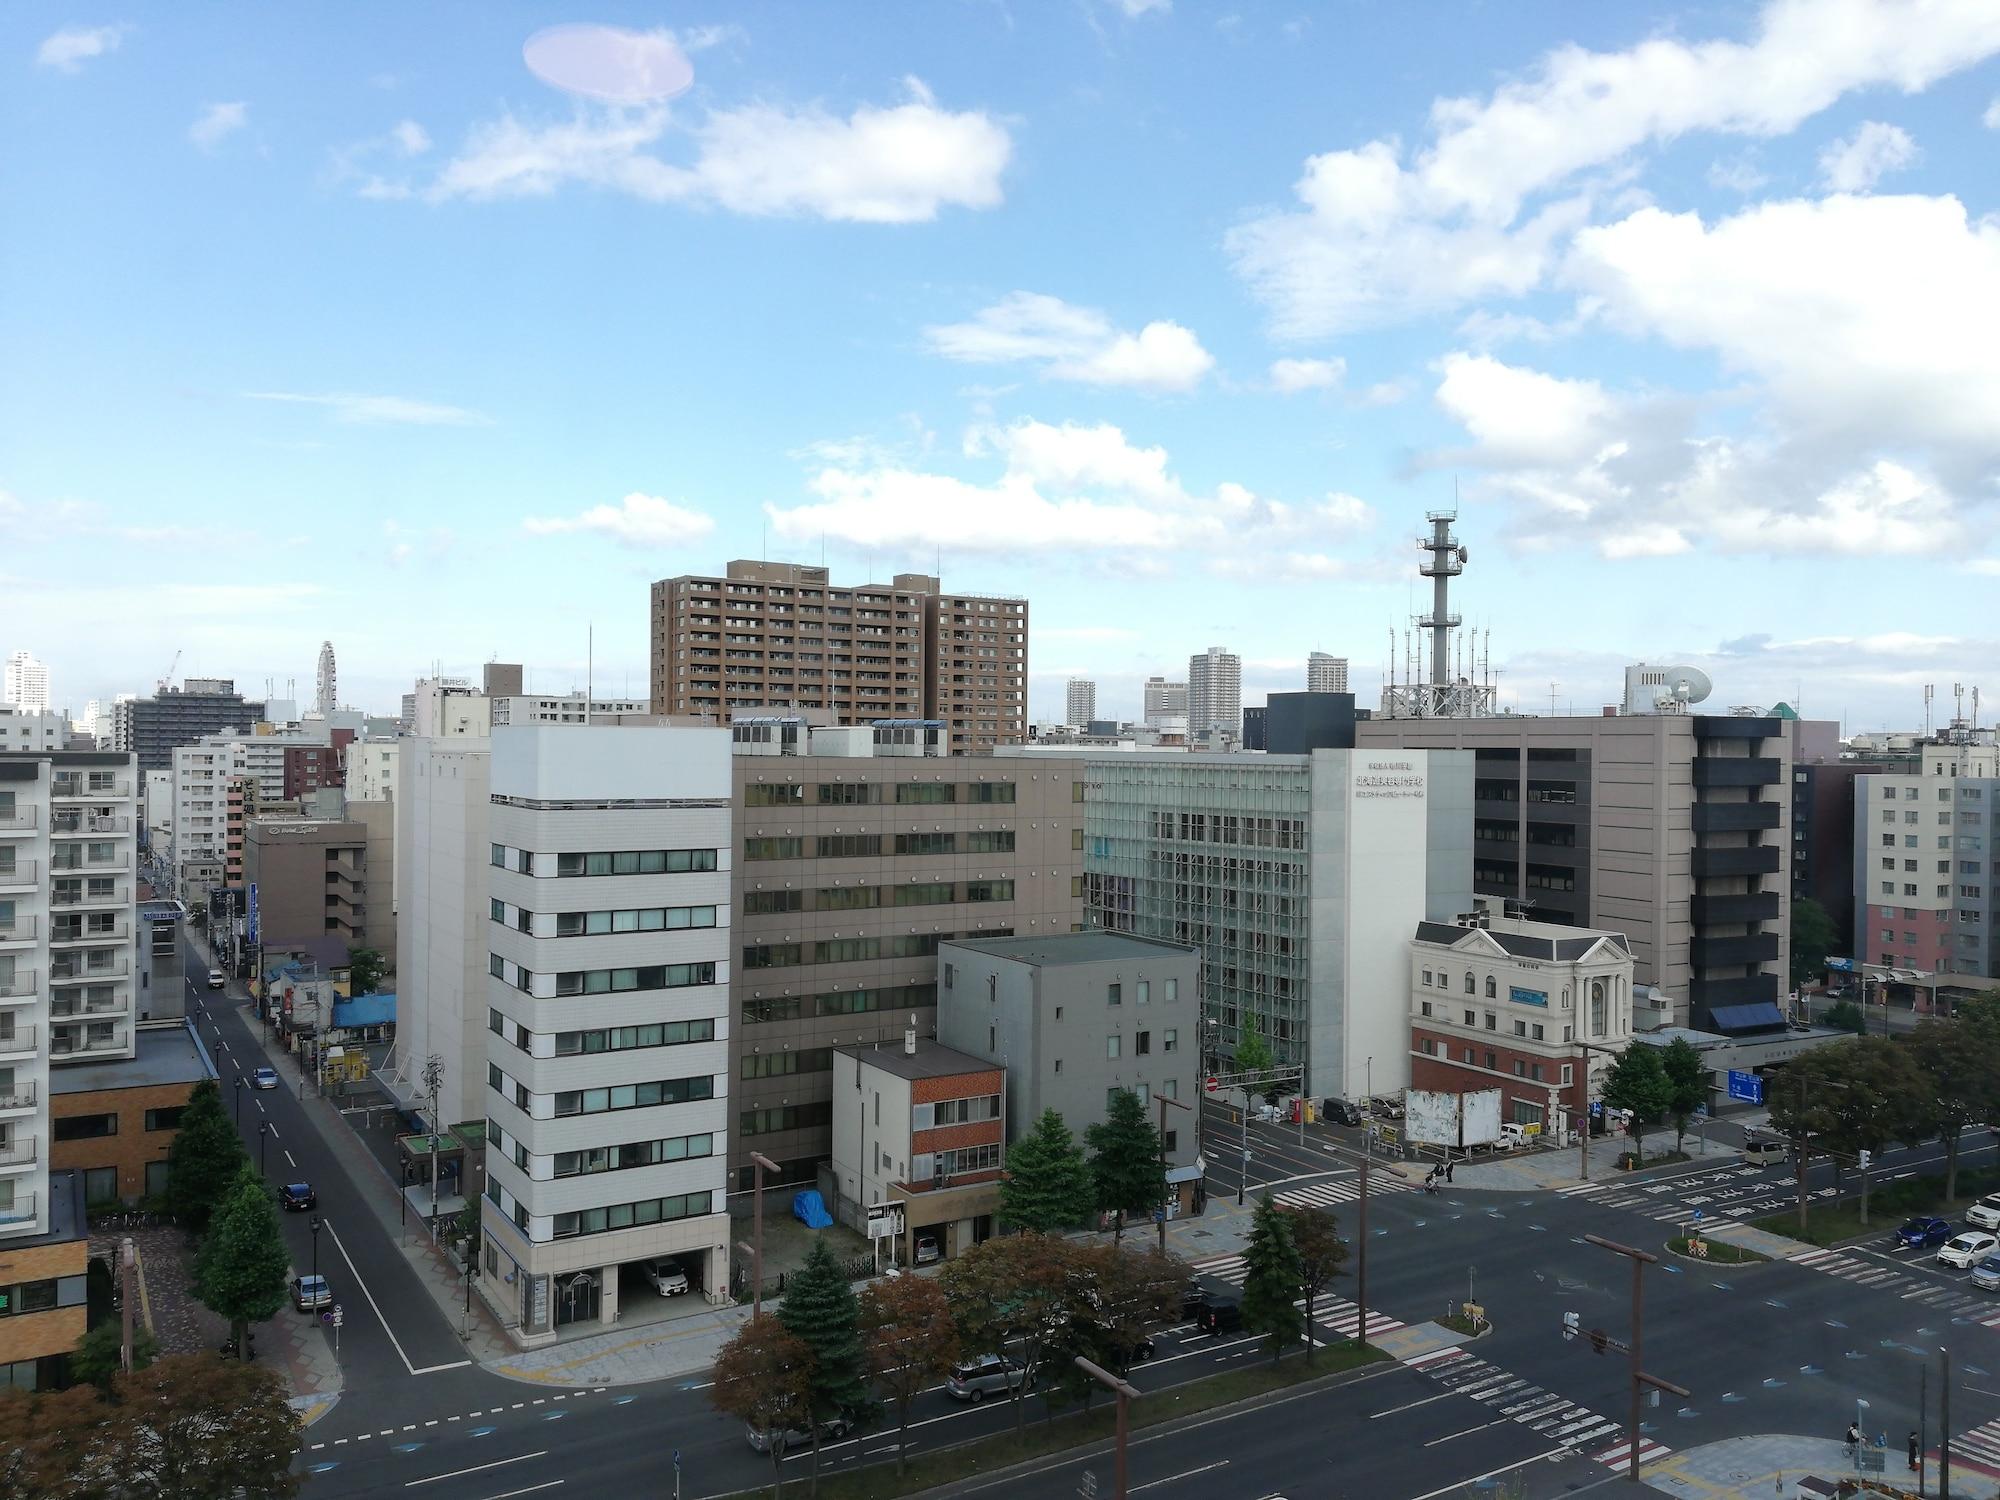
column 168, row 676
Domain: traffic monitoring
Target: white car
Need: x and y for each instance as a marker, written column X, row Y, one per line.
column 1962, row 1250
column 1985, row 1213
column 215, row 979
column 668, row 1278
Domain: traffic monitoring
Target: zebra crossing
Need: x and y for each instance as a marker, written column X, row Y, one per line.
column 1735, row 1192
column 1329, row 1311
column 1342, row 1190
column 1945, row 1296
column 1557, row 1418
column 1980, row 1445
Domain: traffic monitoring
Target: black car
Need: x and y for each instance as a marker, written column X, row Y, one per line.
column 1341, row 1111
column 1217, row 1316
column 297, row 1197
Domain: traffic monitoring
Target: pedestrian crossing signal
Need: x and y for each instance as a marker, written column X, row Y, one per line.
column 1572, row 1326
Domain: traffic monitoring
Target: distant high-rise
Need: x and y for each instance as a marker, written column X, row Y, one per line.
column 1215, row 692
column 327, row 698
column 151, row 727
column 1166, row 702
column 1326, row 674
column 27, row 683
column 1081, row 705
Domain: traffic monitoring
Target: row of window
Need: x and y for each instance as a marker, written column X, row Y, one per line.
column 868, row 897
column 760, row 1010
column 869, row 845
column 1142, row 1043
column 782, row 1064
column 593, row 923
column 633, row 1154
column 973, row 1111
column 870, row 793
column 629, row 1215
column 93, row 1127
column 604, row 1100
column 1532, row 1071
column 614, row 862
column 855, row 949
column 607, row 1038
column 784, row 1117
column 1530, row 1030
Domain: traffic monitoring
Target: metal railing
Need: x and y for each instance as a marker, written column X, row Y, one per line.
column 21, row 1152
column 20, row 1039
column 16, row 929
column 117, row 932
column 18, row 1096
column 83, row 1046
column 18, row 821
column 20, row 872
column 79, row 789
column 113, row 897
column 71, row 974
column 19, row 986
column 117, row 865
column 70, row 826
column 18, row 1213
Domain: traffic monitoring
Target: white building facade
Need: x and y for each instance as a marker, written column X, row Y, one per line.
column 36, row 729
column 1326, row 674
column 25, row 682
column 608, row 1023
column 1080, row 702
column 1215, row 692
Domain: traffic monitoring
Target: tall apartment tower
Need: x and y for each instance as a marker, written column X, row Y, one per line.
column 1165, row 702
column 607, row 1052
column 1215, row 691
column 778, row 636
column 1326, row 674
column 1081, row 702
column 67, row 947
column 151, row 727
column 26, row 683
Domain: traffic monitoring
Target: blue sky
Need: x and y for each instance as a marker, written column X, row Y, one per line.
column 442, row 330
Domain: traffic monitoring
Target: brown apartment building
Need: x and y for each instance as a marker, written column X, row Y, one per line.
column 849, row 870
column 775, row 636
column 318, row 877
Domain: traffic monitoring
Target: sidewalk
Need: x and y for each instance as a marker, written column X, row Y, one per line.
column 1538, row 1171
column 1756, row 1468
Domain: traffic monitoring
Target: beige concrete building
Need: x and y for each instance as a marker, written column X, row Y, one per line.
column 775, row 636
column 322, row 877
column 850, row 870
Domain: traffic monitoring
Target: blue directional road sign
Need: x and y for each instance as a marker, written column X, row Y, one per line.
column 1746, row 1086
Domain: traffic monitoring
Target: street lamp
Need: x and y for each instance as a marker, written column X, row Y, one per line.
column 1164, row 1101
column 263, row 1135
column 315, row 1224
column 760, row 1164
column 239, row 1097
column 403, row 1198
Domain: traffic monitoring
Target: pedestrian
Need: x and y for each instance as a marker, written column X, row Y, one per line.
column 1448, row 1166
column 1854, row 1435
column 1913, row 1450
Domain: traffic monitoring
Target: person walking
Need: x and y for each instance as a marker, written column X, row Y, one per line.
column 1448, row 1165
column 1913, row 1450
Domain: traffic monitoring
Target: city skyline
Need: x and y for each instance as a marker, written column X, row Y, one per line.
column 1295, row 334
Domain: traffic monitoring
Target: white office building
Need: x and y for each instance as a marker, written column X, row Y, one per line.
column 67, row 945
column 1326, row 674
column 1080, row 702
column 36, row 729
column 25, row 683
column 608, row 1026
column 201, row 774
column 1215, row 692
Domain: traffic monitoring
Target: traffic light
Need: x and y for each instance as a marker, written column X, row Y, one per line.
column 1572, row 1326
column 1599, row 1339
column 1866, row 1156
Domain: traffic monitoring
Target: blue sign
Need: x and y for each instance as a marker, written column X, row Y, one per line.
column 1746, row 1086
column 1841, row 965
column 1527, row 997
column 1597, row 1109
column 253, row 914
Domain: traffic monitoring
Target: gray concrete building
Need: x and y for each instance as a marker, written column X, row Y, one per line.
column 322, row 878
column 1072, row 1017
column 150, row 728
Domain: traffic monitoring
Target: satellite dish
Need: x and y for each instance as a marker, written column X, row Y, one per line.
column 1690, row 684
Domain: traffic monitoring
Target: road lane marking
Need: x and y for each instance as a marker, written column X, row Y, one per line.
column 1220, row 1463
column 288, row 1157
column 1496, row 1422
column 1490, row 1473
column 1411, row 1405
column 509, row 1494
column 393, row 1341
column 498, row 1463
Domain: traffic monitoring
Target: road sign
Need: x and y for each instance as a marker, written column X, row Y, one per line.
column 1747, row 1087
column 1212, row 1085
column 339, row 1315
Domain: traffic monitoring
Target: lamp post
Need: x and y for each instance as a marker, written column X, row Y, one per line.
column 1361, row 1238
column 760, row 1164
column 239, row 1097
column 263, row 1135
column 403, row 1198
column 315, row 1224
column 1944, row 1423
column 1164, row 1101
column 1640, row 1260
column 126, row 1255
column 1124, row 1392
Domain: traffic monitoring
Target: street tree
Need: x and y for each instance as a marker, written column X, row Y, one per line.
column 239, row 1271
column 820, row 1308
column 205, row 1159
column 1844, row 1015
column 52, row 1445
column 1017, row 1291
column 1322, row 1256
column 908, row 1341
column 1048, row 1187
column 1813, row 937
column 99, row 1356
column 1126, row 1170
column 1883, row 1100
column 763, row 1377
column 1687, row 1085
column 1255, row 1059
column 1960, row 1064
column 1638, row 1083
column 365, row 968
column 1273, row 1277
column 1128, row 1294
column 194, row 1424
column 1804, row 1100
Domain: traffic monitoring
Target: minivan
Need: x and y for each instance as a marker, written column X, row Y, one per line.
column 1216, row 1316
column 1761, row 1150
column 1985, row 1213
column 1341, row 1111
column 985, row 1375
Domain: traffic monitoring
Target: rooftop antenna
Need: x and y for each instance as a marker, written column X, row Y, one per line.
column 1928, row 690
column 589, row 668
column 1552, row 699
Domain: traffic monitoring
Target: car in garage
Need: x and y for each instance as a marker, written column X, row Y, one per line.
column 929, row 1249
column 297, row 1197
column 311, row 1293
column 667, row 1277
column 1921, row 1233
column 264, row 1078
column 1962, row 1250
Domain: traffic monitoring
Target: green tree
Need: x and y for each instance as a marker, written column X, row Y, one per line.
column 820, row 1308
column 193, row 1424
column 1883, row 1101
column 1813, row 937
column 1017, row 1292
column 239, row 1271
column 365, row 968
column 1048, row 1187
column 205, row 1158
column 1638, row 1083
column 763, row 1378
column 1322, row 1255
column 1960, row 1064
column 1272, row 1277
column 1126, row 1170
column 1255, row 1058
column 1845, row 1015
column 99, row 1355
column 909, row 1341
column 1687, row 1085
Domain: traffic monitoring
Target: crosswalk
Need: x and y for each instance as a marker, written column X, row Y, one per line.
column 1733, row 1192
column 1329, row 1311
column 1946, row 1297
column 1343, row 1190
column 1556, row 1418
column 1980, row 1445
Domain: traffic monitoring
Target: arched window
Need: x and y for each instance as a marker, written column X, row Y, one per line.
column 1471, row 988
column 1492, row 988
column 1597, row 1019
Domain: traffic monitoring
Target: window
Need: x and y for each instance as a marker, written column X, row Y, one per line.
column 1534, row 1033
column 627, row 1215
column 1472, row 1018
column 633, row 1154
column 1142, row 1044
column 1471, row 985
column 639, row 919
column 848, row 794
column 168, row 1118
column 770, row 903
column 1567, row 1074
column 925, row 793
column 1427, row 976
column 1492, row 988
column 634, row 1096
column 640, row 862
column 1114, row 994
column 989, row 791
column 626, row 1038
column 850, row 845
column 1145, row 991
column 1001, row 841
column 497, row 911
column 647, row 977
column 763, row 795
column 1492, row 1021
column 1114, row 1046
column 1489, row 1061
column 1170, row 1040
column 771, row 956
column 784, row 1064
column 1520, row 1028
column 498, row 856
column 84, row 1128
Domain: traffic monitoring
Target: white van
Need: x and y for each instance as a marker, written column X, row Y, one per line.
column 1761, row 1150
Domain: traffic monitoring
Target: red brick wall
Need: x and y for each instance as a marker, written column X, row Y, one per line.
column 956, row 1086
column 953, row 1137
column 1446, row 1073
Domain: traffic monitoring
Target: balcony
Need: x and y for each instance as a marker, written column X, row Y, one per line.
column 1750, row 989
column 1757, row 860
column 69, row 825
column 114, row 897
column 1727, row 952
column 20, row 1042
column 1712, row 911
column 21, row 986
column 1735, row 817
column 18, row 1154
column 16, row 930
column 73, row 935
column 81, row 1010
column 18, row 876
column 1738, row 770
column 69, row 1047
column 21, row 820
column 18, row 1214
column 69, row 864
column 91, row 789
column 17, row 1096
column 84, row 974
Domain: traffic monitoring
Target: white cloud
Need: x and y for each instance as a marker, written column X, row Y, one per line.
column 1290, row 376
column 893, row 164
column 69, row 49
column 1521, row 418
column 380, row 410
column 410, row 138
column 1378, row 232
column 612, row 63
column 1991, row 119
column 1075, row 343
column 217, row 121
column 1133, row 9
column 1855, row 163
column 637, row 521
column 1738, row 175
column 1087, row 633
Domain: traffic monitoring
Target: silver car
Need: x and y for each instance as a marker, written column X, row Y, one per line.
column 985, row 1375
column 763, row 1439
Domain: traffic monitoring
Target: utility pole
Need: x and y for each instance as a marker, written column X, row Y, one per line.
column 1124, row 1392
column 1164, row 1101
column 1944, row 1425
column 760, row 1164
column 1361, row 1237
column 1640, row 1260
column 127, row 1253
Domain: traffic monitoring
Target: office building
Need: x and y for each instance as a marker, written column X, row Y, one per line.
column 1299, row 723
column 1215, row 693
column 150, row 728
column 371, row 769
column 1927, row 860
column 782, row 636
column 35, row 729
column 322, row 878
column 560, row 708
column 1824, row 812
column 1299, row 877
column 1671, row 828
column 67, row 937
column 1166, row 704
column 608, row 1093
column 1080, row 702
column 1326, row 674
column 855, row 859
column 24, row 683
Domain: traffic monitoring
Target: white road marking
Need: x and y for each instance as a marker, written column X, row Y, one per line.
column 1220, row 1463
column 393, row 1342
column 498, row 1463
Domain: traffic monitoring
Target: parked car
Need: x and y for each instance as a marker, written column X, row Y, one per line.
column 929, row 1248
column 1963, row 1249
column 985, row 1375
column 264, row 1078
column 1986, row 1274
column 311, row 1293
column 668, row 1276
column 1191, row 1303
column 1921, row 1233
column 216, row 980
column 1985, row 1213
column 296, row 1197
column 1388, row 1106
column 1341, row 1111
column 830, row 1431
column 1218, row 1315
column 1762, row 1149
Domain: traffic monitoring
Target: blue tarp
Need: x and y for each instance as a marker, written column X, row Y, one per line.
column 364, row 1010
column 810, row 1209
